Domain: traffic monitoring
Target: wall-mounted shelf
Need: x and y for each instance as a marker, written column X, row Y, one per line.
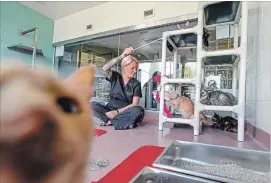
column 26, row 49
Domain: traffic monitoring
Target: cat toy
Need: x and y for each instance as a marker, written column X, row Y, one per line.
column 166, row 110
column 157, row 79
column 147, row 44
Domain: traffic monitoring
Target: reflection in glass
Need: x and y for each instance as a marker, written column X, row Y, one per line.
column 68, row 63
column 149, row 57
column 97, row 52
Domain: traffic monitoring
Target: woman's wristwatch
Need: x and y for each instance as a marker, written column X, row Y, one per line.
column 117, row 111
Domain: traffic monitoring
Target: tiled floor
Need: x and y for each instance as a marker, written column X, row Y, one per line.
column 115, row 146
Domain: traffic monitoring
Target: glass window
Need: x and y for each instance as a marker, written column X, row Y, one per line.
column 68, row 63
column 97, row 52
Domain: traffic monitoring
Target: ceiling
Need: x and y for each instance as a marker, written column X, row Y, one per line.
column 58, row 9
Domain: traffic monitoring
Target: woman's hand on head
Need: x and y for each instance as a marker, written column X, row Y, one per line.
column 111, row 114
column 127, row 51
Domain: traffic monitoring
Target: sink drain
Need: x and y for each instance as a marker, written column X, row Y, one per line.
column 97, row 164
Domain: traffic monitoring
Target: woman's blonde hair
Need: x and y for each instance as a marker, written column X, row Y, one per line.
column 127, row 60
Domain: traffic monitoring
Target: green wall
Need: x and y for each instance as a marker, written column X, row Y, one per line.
column 16, row 16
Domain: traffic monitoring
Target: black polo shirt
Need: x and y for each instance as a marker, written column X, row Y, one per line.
column 120, row 94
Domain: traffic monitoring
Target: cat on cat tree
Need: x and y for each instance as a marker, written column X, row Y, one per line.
column 185, row 105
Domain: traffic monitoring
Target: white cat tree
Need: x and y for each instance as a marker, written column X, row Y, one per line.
column 240, row 52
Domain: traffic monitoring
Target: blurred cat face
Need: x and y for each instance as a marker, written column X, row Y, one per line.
column 46, row 125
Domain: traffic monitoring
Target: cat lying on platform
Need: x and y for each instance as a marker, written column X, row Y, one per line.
column 227, row 123
column 46, row 126
column 217, row 97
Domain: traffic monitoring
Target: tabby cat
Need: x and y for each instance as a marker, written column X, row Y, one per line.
column 217, row 97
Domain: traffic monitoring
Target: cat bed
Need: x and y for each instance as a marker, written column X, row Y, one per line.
column 184, row 40
column 218, row 60
column 221, row 12
column 188, row 40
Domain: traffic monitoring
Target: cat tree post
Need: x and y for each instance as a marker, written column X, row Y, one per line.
column 202, row 72
column 162, row 89
column 175, row 62
column 235, row 66
column 200, row 54
column 182, row 61
column 242, row 78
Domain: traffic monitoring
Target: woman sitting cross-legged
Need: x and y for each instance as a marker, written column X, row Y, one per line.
column 122, row 110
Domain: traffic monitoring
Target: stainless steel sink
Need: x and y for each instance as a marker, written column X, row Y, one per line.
column 154, row 175
column 218, row 163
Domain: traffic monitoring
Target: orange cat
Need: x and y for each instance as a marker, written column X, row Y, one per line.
column 182, row 104
column 46, row 126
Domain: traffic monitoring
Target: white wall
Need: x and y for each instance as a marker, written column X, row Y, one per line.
column 114, row 15
column 258, row 86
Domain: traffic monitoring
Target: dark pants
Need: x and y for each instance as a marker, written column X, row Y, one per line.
column 124, row 120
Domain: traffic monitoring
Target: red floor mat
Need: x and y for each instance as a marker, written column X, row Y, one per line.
column 99, row 132
column 127, row 169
